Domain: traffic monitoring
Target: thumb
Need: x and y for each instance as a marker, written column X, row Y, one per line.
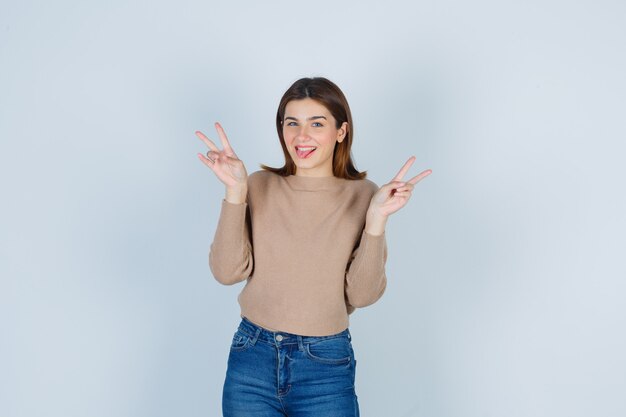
column 393, row 184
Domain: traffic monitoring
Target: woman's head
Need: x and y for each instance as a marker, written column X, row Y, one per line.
column 314, row 112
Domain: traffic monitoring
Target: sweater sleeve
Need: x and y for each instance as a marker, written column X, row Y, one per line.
column 230, row 255
column 365, row 277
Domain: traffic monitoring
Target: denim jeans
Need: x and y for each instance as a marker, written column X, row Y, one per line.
column 283, row 374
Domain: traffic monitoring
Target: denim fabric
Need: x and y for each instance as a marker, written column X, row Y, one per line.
column 283, row 374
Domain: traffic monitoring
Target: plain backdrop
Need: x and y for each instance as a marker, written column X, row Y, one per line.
column 506, row 271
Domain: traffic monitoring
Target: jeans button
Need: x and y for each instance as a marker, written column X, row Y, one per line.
column 279, row 337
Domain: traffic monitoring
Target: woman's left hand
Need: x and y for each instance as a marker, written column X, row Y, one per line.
column 394, row 195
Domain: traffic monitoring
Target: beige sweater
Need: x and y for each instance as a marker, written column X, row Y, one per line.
column 300, row 243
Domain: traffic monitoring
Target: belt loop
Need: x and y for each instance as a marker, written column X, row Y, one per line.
column 256, row 336
column 300, row 345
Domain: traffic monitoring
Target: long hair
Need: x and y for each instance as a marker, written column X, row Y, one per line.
column 330, row 96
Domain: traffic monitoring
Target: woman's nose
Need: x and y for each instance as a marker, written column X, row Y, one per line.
column 303, row 132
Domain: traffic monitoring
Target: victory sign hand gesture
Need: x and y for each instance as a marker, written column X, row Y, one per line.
column 394, row 195
column 224, row 163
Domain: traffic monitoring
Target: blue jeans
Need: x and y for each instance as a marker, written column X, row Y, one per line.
column 283, row 374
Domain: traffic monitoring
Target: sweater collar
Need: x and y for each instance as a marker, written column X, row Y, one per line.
column 313, row 183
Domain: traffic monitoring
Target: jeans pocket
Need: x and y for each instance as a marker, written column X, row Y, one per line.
column 333, row 351
column 241, row 341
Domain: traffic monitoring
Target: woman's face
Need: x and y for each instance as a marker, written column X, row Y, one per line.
column 308, row 124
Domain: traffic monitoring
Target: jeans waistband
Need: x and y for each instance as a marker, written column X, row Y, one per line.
column 260, row 333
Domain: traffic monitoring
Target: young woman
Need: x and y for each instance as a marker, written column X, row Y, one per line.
column 309, row 240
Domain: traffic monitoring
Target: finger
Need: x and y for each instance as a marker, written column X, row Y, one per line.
column 402, row 192
column 420, row 176
column 206, row 161
column 407, row 187
column 404, row 169
column 393, row 185
column 212, row 156
column 207, row 141
column 224, row 139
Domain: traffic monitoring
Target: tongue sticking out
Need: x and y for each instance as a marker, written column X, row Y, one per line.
column 304, row 154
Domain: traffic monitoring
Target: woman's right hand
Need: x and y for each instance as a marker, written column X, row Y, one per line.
column 225, row 163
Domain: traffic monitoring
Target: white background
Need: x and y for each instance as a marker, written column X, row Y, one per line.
column 506, row 269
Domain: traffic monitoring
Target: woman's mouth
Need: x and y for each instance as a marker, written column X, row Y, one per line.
column 305, row 151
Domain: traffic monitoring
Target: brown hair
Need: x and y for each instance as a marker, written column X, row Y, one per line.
column 330, row 96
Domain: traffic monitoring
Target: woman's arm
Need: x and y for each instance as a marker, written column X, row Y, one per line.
column 230, row 255
column 365, row 277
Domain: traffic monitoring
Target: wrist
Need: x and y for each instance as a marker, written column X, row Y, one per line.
column 236, row 195
column 375, row 223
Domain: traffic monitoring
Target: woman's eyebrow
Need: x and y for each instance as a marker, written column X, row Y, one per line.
column 308, row 118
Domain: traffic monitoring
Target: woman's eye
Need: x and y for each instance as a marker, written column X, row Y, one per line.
column 291, row 124
column 318, row 124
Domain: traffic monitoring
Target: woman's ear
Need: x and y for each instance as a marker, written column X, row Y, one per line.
column 342, row 132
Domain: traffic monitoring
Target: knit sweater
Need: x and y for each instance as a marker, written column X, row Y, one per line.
column 301, row 245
